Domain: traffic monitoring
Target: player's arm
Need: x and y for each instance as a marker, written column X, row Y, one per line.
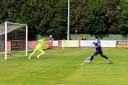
column 96, row 44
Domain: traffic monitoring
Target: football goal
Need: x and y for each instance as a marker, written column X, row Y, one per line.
column 13, row 40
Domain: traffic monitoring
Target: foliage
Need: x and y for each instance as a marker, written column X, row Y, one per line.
column 95, row 17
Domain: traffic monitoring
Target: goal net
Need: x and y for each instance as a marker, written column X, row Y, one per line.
column 13, row 40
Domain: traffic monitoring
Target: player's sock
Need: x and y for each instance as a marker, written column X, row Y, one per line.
column 31, row 54
column 91, row 59
column 29, row 57
column 38, row 56
column 107, row 59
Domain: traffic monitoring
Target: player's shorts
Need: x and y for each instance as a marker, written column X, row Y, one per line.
column 98, row 51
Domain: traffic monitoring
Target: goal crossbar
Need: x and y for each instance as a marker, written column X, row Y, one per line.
column 7, row 27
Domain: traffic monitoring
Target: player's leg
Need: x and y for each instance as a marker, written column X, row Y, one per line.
column 95, row 54
column 32, row 54
column 42, row 53
column 105, row 57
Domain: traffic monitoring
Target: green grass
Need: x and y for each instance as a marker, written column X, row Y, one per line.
column 62, row 67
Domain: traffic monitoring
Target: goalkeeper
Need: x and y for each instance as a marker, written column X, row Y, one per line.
column 39, row 48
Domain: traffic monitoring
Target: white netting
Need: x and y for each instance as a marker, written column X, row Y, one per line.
column 16, row 37
column 11, row 26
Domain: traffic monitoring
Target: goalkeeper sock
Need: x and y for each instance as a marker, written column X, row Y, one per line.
column 38, row 56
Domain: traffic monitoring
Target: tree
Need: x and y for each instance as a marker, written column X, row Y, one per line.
column 78, row 11
column 101, row 18
column 123, row 17
column 58, row 23
column 50, row 16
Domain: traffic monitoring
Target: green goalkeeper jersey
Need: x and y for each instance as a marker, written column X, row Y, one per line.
column 41, row 44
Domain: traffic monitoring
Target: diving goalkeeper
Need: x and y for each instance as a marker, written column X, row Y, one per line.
column 39, row 48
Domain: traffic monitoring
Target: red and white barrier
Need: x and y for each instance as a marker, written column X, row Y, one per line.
column 86, row 43
column 74, row 43
column 108, row 43
column 57, row 43
column 70, row 43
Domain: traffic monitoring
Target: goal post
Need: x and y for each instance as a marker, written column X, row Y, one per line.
column 13, row 37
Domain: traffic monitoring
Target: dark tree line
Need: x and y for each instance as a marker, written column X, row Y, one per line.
column 100, row 17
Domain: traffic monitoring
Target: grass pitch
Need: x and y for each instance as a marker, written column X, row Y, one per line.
column 62, row 67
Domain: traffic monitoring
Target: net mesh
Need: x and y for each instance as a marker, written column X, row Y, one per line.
column 16, row 38
column 10, row 27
